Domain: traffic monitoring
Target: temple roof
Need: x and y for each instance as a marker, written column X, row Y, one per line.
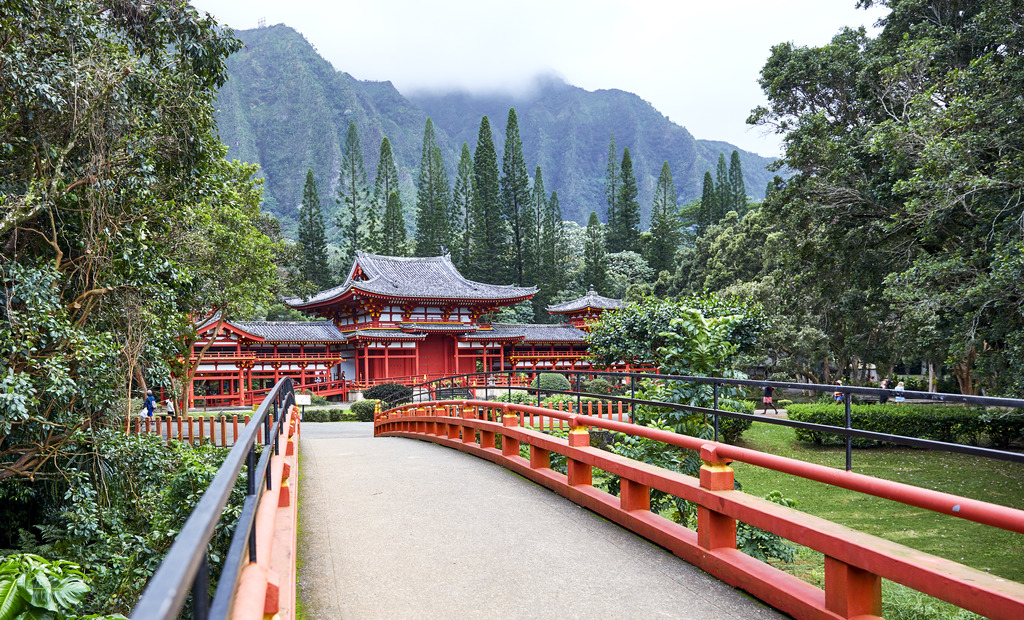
column 533, row 332
column 292, row 331
column 413, row 277
column 590, row 300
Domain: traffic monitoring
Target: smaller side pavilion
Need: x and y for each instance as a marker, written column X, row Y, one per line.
column 585, row 309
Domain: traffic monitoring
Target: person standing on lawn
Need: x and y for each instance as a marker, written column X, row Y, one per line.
column 768, row 400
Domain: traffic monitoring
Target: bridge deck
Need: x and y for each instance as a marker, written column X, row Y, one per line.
column 398, row 528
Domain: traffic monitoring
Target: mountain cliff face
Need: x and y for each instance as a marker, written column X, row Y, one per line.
column 287, row 109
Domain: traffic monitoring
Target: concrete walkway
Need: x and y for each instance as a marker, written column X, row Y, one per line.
column 399, row 528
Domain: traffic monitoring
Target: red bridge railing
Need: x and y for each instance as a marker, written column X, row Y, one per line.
column 855, row 562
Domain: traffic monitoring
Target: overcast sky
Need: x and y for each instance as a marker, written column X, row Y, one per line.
column 696, row 62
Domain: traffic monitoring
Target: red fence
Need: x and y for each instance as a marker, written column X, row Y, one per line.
column 855, row 563
column 221, row 431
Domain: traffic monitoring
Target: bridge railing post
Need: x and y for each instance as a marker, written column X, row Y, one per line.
column 509, row 445
column 851, row 591
column 714, row 529
column 580, row 474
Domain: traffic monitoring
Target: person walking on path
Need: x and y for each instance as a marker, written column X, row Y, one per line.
column 899, row 394
column 170, row 407
column 837, row 395
column 150, row 403
column 768, row 400
column 884, row 396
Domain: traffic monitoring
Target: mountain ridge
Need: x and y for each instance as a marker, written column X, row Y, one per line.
column 287, row 109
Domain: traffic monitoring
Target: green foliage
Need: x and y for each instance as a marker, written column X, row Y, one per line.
column 364, row 410
column 517, row 207
column 763, row 545
column 357, row 218
column 624, row 232
column 665, row 224
column 462, row 210
column 953, row 424
column 391, row 394
column 34, row 587
column 390, row 238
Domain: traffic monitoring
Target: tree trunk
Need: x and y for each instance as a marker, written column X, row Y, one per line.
column 964, row 376
column 931, row 376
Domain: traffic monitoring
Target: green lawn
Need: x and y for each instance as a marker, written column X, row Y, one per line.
column 982, row 547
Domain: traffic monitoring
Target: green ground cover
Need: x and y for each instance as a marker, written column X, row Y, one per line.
column 982, row 547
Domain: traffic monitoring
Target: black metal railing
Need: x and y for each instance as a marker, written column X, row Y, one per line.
column 186, row 566
column 425, row 391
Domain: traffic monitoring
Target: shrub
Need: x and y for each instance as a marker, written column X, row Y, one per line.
column 953, row 424
column 785, row 402
column 336, row 415
column 731, row 429
column 551, row 381
column 597, row 386
column 315, row 415
column 318, row 400
column 391, row 394
column 364, row 409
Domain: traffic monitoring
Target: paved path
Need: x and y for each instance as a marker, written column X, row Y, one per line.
column 400, row 528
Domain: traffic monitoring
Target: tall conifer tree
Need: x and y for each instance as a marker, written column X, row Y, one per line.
column 315, row 266
column 723, row 197
column 353, row 195
column 612, row 183
column 595, row 268
column 390, row 237
column 462, row 208
column 433, row 229
column 708, row 203
column 664, row 223
column 737, row 188
column 515, row 198
column 489, row 249
column 627, row 212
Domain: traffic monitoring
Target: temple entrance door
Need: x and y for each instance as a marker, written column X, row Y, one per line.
column 437, row 355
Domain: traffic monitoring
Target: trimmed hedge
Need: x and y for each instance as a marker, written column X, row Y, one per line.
column 551, row 381
column 364, row 409
column 328, row 415
column 392, row 394
column 951, row 424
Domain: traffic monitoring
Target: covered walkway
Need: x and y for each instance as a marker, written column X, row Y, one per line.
column 399, row 528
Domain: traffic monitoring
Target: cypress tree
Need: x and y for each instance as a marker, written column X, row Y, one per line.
column 314, row 264
column 627, row 212
column 432, row 198
column 515, row 197
column 489, row 249
column 664, row 223
column 352, row 195
column 708, row 200
column 539, row 262
column 462, row 209
column 737, row 188
column 723, row 196
column 595, row 268
column 390, row 237
column 612, row 180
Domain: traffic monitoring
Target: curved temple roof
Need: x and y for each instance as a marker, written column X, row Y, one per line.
column 433, row 277
column 590, row 300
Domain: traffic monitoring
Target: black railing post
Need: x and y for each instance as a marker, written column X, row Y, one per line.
column 250, row 491
column 510, row 386
column 201, row 590
column 716, row 410
column 849, row 425
column 632, row 394
column 579, row 398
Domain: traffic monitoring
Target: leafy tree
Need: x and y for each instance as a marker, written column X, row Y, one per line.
column 737, row 189
column 612, row 188
column 390, row 238
column 515, row 198
column 595, row 265
column 626, row 232
column 489, row 246
column 626, row 269
column 903, row 175
column 358, row 220
column 433, row 228
column 120, row 218
column 664, row 223
column 312, row 236
column 462, row 207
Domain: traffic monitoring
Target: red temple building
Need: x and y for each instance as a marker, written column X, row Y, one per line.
column 394, row 319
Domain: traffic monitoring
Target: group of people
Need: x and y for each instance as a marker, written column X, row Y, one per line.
column 838, row 395
column 149, row 405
